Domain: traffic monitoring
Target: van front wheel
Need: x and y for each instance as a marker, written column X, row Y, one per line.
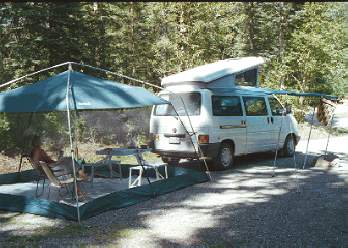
column 289, row 147
column 225, row 158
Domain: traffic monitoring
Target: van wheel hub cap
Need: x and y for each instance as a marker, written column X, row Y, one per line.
column 226, row 157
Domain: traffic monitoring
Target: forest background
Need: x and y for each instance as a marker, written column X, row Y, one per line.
column 305, row 45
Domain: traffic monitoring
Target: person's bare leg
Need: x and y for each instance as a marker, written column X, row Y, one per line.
column 80, row 193
column 82, row 175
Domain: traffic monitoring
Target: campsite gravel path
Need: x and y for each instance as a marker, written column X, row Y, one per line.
column 243, row 207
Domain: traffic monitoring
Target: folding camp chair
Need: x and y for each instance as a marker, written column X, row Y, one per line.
column 58, row 179
column 41, row 176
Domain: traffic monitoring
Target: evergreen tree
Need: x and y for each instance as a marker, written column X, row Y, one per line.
column 315, row 55
column 305, row 43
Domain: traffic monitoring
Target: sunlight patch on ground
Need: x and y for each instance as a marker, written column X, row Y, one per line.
column 18, row 223
column 132, row 240
column 180, row 229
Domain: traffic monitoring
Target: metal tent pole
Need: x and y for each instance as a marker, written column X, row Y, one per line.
column 77, row 116
column 199, row 152
column 309, row 136
column 68, row 90
column 32, row 74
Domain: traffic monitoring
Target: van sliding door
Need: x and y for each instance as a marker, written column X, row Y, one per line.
column 229, row 121
column 258, row 126
column 278, row 122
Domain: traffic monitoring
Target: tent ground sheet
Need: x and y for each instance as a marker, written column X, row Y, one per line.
column 17, row 192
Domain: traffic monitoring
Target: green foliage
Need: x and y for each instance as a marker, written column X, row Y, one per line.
column 313, row 58
column 305, row 44
column 345, row 51
column 80, row 128
column 17, row 130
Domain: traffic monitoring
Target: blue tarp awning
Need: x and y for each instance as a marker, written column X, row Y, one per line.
column 254, row 91
column 309, row 94
column 86, row 93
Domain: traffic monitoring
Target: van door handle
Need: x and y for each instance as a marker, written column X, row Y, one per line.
column 268, row 120
column 272, row 120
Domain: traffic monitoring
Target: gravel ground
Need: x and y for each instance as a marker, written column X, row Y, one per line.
column 242, row 207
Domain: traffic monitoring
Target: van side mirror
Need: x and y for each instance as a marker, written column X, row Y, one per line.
column 288, row 109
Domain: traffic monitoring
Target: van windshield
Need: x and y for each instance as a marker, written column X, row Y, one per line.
column 192, row 103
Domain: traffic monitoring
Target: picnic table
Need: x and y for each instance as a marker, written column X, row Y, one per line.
column 110, row 152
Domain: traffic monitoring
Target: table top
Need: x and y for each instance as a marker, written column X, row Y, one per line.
column 121, row 151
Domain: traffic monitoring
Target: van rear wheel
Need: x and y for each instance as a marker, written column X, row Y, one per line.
column 225, row 158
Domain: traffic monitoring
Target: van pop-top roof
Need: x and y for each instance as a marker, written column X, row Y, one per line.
column 211, row 72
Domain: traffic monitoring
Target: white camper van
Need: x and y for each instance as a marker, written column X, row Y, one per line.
column 222, row 112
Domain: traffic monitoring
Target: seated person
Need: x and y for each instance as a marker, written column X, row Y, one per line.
column 39, row 155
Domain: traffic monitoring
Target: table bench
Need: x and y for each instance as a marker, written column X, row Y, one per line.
column 137, row 181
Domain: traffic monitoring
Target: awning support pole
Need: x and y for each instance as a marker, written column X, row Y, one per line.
column 199, row 152
column 309, row 136
column 68, row 90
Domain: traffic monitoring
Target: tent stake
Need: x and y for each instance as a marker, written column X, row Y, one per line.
column 309, row 136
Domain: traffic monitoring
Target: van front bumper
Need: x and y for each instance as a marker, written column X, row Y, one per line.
column 210, row 151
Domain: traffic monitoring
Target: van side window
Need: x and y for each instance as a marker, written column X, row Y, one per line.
column 276, row 107
column 247, row 78
column 226, row 106
column 255, row 106
column 192, row 104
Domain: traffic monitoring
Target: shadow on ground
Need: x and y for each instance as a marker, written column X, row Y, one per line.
column 242, row 207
